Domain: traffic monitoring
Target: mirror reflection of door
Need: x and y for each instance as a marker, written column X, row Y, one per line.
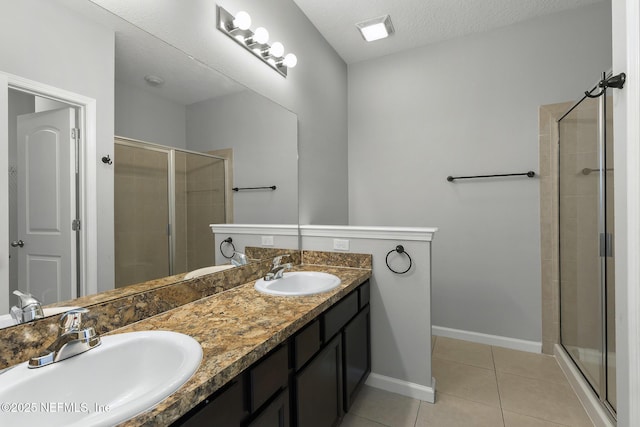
column 42, row 198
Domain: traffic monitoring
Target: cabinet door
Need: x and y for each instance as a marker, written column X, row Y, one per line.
column 276, row 414
column 357, row 355
column 319, row 388
column 226, row 409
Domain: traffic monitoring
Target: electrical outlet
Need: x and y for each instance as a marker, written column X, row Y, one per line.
column 267, row 240
column 340, row 244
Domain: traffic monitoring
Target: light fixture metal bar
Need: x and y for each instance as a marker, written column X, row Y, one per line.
column 225, row 24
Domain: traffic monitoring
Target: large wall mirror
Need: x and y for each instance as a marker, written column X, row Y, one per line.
column 185, row 136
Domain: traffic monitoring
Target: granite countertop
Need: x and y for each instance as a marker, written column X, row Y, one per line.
column 235, row 328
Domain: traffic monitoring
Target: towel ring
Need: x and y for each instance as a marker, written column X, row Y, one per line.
column 228, row 240
column 399, row 249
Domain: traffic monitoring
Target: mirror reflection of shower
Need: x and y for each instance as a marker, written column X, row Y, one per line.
column 165, row 198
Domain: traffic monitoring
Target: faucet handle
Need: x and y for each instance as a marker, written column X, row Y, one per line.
column 28, row 308
column 71, row 320
column 25, row 299
column 277, row 260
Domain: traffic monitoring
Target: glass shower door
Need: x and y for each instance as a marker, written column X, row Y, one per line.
column 141, row 213
column 580, row 263
column 587, row 312
column 200, row 200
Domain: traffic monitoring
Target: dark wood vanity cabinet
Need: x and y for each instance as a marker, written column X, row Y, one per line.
column 224, row 408
column 319, row 388
column 357, row 355
column 308, row 381
column 258, row 397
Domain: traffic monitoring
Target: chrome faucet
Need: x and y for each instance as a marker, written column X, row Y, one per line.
column 239, row 259
column 28, row 308
column 277, row 270
column 72, row 340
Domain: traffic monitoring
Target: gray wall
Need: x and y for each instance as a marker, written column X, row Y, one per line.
column 316, row 90
column 147, row 117
column 463, row 107
column 42, row 41
column 263, row 136
column 400, row 315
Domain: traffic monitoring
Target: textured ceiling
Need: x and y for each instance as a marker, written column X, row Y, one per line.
column 419, row 22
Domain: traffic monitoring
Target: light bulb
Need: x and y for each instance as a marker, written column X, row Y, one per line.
column 277, row 50
column 242, row 20
column 290, row 60
column 261, row 35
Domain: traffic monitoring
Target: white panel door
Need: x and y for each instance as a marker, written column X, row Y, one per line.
column 46, row 205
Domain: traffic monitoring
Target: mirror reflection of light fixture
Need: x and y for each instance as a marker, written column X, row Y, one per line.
column 376, row 28
column 238, row 28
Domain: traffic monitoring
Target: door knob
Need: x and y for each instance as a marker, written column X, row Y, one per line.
column 17, row 243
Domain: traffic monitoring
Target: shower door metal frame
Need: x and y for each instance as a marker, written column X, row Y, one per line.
column 605, row 248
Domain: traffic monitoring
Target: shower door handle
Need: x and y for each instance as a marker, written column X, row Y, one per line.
column 17, row 243
column 606, row 245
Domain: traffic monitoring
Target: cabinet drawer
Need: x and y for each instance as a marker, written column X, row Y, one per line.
column 339, row 315
column 364, row 294
column 268, row 376
column 307, row 343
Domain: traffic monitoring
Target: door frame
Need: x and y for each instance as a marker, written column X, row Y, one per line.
column 626, row 113
column 87, row 200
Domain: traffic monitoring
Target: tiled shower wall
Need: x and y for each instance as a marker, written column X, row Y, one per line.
column 549, row 249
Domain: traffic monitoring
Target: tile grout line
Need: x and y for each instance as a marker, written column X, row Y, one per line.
column 373, row 421
column 464, row 364
column 495, row 373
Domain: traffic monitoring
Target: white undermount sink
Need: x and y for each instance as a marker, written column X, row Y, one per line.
column 297, row 283
column 206, row 270
column 6, row 320
column 124, row 376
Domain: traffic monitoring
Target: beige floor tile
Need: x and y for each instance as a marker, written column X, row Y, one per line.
column 467, row 382
column 465, row 352
column 516, row 420
column 433, row 343
column 386, row 408
column 451, row 411
column 350, row 420
column 538, row 366
column 541, row 399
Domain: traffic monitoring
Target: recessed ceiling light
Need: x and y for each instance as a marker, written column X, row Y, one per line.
column 376, row 28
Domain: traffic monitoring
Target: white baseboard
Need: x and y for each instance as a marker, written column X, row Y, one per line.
column 585, row 394
column 405, row 388
column 498, row 341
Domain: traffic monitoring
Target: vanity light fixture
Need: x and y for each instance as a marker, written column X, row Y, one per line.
column 376, row 28
column 242, row 21
column 238, row 28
